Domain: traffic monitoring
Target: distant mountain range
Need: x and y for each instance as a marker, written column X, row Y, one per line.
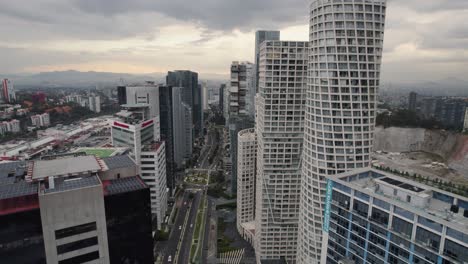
column 444, row 87
column 73, row 79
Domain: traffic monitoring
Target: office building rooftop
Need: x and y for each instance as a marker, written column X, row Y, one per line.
column 433, row 203
column 62, row 167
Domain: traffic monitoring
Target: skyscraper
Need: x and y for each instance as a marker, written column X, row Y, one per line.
column 94, row 102
column 8, row 91
column 246, row 163
column 260, row 36
column 222, row 89
column 191, row 95
column 412, row 100
column 241, row 101
column 280, row 128
column 346, row 40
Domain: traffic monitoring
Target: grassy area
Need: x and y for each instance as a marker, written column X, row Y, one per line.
column 101, row 153
column 224, row 242
column 198, row 233
column 232, row 205
column 197, row 179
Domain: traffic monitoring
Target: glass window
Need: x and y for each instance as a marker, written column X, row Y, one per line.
column 379, row 216
column 427, row 238
column 455, row 251
column 402, row 227
column 381, row 204
column 430, row 224
column 360, row 208
column 463, row 237
column 361, row 196
column 402, row 212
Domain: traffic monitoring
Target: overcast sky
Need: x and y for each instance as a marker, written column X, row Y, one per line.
column 425, row 39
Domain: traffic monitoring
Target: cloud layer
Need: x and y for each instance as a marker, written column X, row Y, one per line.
column 425, row 39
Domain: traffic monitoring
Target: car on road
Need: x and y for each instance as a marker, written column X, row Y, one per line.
column 191, row 225
column 180, row 227
column 169, row 259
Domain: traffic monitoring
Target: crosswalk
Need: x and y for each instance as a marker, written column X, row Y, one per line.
column 231, row 257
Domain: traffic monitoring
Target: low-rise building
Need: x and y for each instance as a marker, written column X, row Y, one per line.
column 74, row 209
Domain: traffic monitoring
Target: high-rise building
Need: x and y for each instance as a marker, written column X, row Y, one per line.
column 94, row 103
column 122, row 95
column 144, row 94
column 191, row 95
column 222, row 89
column 465, row 124
column 41, row 120
column 412, row 101
column 167, row 101
column 240, row 90
column 205, row 96
column 260, row 36
column 74, row 209
column 8, row 91
column 279, row 128
column 377, row 217
column 187, row 131
column 137, row 131
column 246, row 163
column 346, row 40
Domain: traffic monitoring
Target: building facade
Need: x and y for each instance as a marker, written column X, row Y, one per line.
column 242, row 89
column 8, row 91
column 85, row 218
column 41, row 120
column 279, row 128
column 246, row 163
column 260, row 36
column 12, row 126
column 191, row 95
column 222, row 88
column 153, row 173
column 346, row 41
column 377, row 217
column 94, row 103
column 412, row 101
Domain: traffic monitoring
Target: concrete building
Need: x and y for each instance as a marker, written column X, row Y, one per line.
column 241, row 90
column 74, row 209
column 187, row 131
column 377, row 217
column 12, row 126
column 246, row 164
column 346, row 41
column 137, row 131
column 191, row 95
column 144, row 94
column 168, row 99
column 279, row 128
column 153, row 173
column 222, row 88
column 41, row 120
column 412, row 101
column 260, row 36
column 8, row 91
column 205, row 96
column 465, row 124
column 94, row 103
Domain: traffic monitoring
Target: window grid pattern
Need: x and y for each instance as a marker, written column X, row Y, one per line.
column 346, row 40
column 280, row 125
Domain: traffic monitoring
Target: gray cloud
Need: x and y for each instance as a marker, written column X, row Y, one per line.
column 45, row 21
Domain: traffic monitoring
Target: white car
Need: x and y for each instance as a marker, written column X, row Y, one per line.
column 169, row 259
column 180, row 227
column 191, row 225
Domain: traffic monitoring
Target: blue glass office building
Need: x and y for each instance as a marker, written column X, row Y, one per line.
column 376, row 217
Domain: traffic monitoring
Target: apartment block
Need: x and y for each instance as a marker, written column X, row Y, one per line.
column 279, row 128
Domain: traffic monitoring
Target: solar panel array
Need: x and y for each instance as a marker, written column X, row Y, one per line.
column 117, row 162
column 17, row 190
column 9, row 167
column 125, row 185
column 73, row 184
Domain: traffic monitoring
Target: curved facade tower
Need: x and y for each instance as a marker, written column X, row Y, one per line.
column 346, row 40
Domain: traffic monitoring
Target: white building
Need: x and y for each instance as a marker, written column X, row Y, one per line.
column 94, row 103
column 346, row 40
column 145, row 94
column 41, row 120
column 279, row 127
column 137, row 132
column 242, row 89
column 205, row 96
column 246, row 171
column 153, row 172
column 12, row 126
